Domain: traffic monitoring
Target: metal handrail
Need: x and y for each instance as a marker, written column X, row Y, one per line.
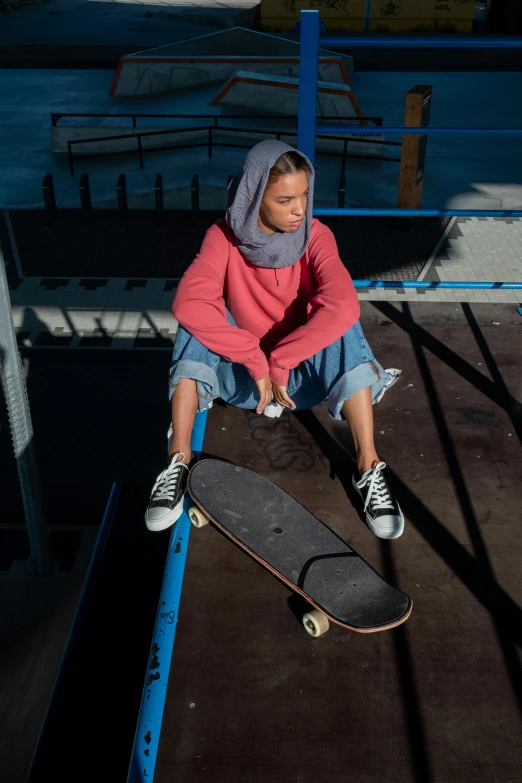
column 399, row 212
column 427, row 285
column 421, row 130
column 148, row 726
column 212, row 143
column 56, row 116
column 410, row 42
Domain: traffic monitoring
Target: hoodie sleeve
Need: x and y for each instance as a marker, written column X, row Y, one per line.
column 199, row 306
column 331, row 312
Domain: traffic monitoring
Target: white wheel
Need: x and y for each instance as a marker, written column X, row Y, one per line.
column 197, row 518
column 315, row 623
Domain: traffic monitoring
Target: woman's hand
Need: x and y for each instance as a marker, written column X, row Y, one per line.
column 264, row 387
column 282, row 397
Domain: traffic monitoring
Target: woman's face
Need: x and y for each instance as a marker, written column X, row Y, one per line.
column 283, row 206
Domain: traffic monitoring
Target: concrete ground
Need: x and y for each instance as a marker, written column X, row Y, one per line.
column 101, row 415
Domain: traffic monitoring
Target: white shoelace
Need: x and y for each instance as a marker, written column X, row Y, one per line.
column 167, row 481
column 378, row 493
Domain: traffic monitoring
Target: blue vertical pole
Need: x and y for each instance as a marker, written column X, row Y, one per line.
column 308, row 65
column 146, row 740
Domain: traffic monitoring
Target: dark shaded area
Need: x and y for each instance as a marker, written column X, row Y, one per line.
column 437, row 60
column 252, row 697
column 99, row 690
column 64, row 544
column 366, row 59
column 505, row 17
column 115, row 246
column 97, row 416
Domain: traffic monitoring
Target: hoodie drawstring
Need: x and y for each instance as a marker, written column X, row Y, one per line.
column 277, row 281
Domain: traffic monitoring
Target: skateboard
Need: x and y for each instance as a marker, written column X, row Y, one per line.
column 282, row 535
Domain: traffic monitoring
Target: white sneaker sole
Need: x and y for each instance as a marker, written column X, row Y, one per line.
column 381, row 531
column 156, row 525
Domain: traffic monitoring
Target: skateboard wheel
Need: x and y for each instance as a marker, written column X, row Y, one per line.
column 197, row 518
column 315, row 623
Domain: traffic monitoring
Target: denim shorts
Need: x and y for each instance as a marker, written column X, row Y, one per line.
column 334, row 374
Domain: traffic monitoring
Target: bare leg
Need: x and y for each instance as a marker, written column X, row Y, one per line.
column 359, row 414
column 184, row 409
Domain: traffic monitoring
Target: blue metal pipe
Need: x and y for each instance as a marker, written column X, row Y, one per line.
column 396, row 212
column 146, row 740
column 410, row 42
column 307, row 98
column 434, row 284
column 371, row 130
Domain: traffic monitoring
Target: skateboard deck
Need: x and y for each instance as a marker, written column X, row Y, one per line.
column 281, row 534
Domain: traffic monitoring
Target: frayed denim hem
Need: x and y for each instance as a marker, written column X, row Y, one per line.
column 207, row 384
column 370, row 374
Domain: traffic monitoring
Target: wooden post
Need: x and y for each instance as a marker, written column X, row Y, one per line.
column 416, row 114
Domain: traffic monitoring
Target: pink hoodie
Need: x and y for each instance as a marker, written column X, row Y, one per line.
column 283, row 316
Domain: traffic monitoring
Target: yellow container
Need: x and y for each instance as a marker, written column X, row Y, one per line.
column 283, row 14
column 422, row 15
column 387, row 15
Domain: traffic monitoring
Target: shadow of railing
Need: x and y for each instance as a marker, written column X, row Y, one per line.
column 35, row 333
column 474, row 570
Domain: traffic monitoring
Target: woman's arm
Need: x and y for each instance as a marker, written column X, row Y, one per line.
column 200, row 307
column 333, row 309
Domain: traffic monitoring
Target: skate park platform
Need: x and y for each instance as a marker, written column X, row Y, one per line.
column 249, row 690
column 250, row 695
column 213, row 58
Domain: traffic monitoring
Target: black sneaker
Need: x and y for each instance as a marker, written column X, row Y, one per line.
column 383, row 514
column 166, row 499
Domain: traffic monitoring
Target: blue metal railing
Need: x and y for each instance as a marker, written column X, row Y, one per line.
column 412, row 42
column 493, row 284
column 307, row 129
column 397, row 212
column 434, row 284
column 361, row 130
column 308, row 75
column 146, row 740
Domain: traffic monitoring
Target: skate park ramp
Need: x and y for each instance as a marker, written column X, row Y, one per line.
column 137, row 68
column 152, row 75
column 279, row 95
